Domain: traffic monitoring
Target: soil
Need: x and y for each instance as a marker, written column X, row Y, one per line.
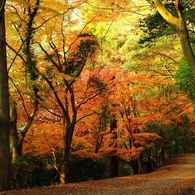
column 176, row 178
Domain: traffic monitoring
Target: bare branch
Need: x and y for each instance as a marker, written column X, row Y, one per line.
column 50, row 58
column 53, row 46
column 20, row 96
column 51, row 112
column 51, row 19
column 88, row 99
column 32, row 114
column 54, row 92
column 80, row 33
column 18, row 14
column 87, row 115
column 17, row 53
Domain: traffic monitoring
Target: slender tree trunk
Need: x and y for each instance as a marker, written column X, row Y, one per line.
column 64, row 170
column 98, row 143
column 134, row 166
column 16, row 142
column 113, row 157
column 141, row 164
column 4, row 107
column 17, row 138
column 13, row 131
column 69, row 129
column 162, row 156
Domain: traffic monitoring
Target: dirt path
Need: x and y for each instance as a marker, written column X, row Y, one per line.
column 183, row 173
column 177, row 178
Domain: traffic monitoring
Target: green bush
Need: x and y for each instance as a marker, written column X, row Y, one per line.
column 36, row 172
column 86, row 169
column 185, row 79
column 124, row 169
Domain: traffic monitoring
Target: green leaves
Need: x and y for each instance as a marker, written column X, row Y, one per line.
column 185, row 79
column 154, row 26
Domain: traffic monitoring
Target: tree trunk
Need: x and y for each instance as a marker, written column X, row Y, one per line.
column 16, row 151
column 162, row 157
column 141, row 164
column 64, row 170
column 186, row 46
column 145, row 165
column 134, row 166
column 17, row 138
column 4, row 107
column 113, row 157
column 69, row 129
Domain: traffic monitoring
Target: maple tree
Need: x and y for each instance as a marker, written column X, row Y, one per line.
column 162, row 108
column 65, row 70
column 167, row 71
column 68, row 70
column 135, row 113
column 67, row 76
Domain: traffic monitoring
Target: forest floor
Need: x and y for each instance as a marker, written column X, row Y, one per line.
column 176, row 178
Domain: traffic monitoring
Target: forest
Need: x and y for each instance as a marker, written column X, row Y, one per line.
column 94, row 89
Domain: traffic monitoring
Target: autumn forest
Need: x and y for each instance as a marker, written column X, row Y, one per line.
column 94, row 89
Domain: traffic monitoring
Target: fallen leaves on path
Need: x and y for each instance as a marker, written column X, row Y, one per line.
column 176, row 178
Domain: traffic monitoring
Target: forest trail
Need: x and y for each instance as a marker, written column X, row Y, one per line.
column 173, row 182
column 176, row 178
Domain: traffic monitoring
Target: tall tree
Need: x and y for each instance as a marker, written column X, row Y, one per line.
column 67, row 75
column 179, row 25
column 114, row 158
column 63, row 67
column 26, row 96
column 4, row 106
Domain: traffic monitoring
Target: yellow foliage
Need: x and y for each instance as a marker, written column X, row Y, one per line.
column 80, row 143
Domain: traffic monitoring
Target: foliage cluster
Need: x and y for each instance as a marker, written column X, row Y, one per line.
column 185, row 79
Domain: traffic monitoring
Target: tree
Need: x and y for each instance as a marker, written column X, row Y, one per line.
column 178, row 23
column 61, row 61
column 22, row 89
column 62, row 79
column 114, row 158
column 4, row 106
